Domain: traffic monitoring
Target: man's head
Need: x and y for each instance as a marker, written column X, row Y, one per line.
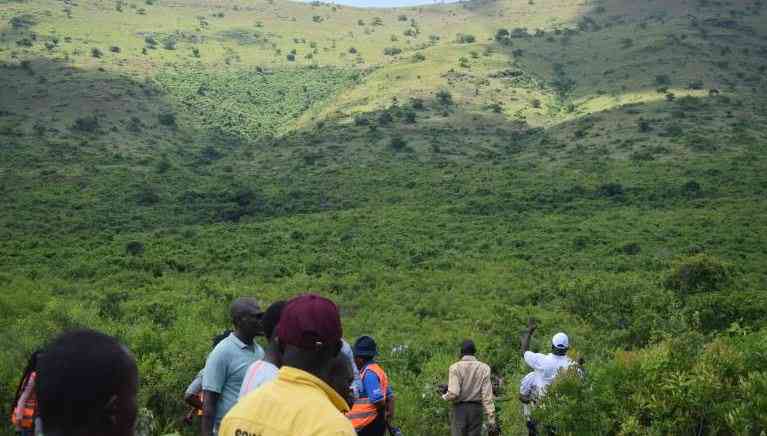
column 87, row 385
column 310, row 334
column 468, row 348
column 560, row 343
column 341, row 377
column 365, row 349
column 246, row 317
column 272, row 319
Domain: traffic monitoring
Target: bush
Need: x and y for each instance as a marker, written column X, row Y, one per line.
column 150, row 41
column 465, row 38
column 96, row 53
column 502, row 35
column 114, row 49
column 360, row 22
column 402, row 18
column 167, row 119
column 196, row 52
column 409, row 117
column 696, row 85
column 397, row 142
column 417, row 103
column 662, row 80
column 317, row 19
column 419, row 57
column 22, row 21
column 392, row 51
column 352, row 50
column 385, row 118
column 377, row 21
column 134, row 248
column 444, row 97
column 86, row 124
column 699, row 273
column 361, row 120
column 147, row 196
column 169, row 44
column 291, row 57
column 611, row 190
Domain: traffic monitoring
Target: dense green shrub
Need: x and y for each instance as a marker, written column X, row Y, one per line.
column 167, row 119
column 465, row 38
column 444, row 97
column 96, row 53
column 680, row 386
column 397, row 142
column 87, row 124
column 392, row 51
column 699, row 273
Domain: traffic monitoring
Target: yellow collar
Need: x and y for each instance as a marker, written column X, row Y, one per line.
column 295, row 375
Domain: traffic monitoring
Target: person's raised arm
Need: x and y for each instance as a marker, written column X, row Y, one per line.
column 525, row 344
column 209, row 403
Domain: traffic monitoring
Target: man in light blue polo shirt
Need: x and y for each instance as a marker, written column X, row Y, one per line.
column 228, row 362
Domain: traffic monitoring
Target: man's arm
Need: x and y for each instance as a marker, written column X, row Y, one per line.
column 374, row 391
column 525, row 344
column 487, row 398
column 209, row 403
column 453, row 385
column 213, row 379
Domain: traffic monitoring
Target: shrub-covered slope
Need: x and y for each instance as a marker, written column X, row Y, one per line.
column 442, row 172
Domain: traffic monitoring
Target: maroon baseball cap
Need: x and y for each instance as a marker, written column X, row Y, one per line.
column 309, row 321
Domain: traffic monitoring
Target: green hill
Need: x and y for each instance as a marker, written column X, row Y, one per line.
column 441, row 172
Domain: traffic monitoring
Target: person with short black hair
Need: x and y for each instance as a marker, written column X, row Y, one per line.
column 470, row 390
column 87, row 386
column 226, row 365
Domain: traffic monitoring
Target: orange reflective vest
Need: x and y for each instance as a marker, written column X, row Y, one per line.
column 363, row 411
column 29, row 408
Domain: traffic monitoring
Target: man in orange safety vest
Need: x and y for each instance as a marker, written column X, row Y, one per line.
column 374, row 408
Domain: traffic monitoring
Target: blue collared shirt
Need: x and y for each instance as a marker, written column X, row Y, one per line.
column 225, row 370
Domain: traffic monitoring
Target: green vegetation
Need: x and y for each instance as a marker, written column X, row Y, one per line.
column 600, row 168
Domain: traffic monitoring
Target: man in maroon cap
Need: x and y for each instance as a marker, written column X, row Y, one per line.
column 301, row 401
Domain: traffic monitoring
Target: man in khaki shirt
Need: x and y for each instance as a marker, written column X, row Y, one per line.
column 470, row 390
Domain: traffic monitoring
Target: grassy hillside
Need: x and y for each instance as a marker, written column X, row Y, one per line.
column 441, row 172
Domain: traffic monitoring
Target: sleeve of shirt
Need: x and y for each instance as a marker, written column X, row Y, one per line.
column 373, row 387
column 196, row 386
column 487, row 397
column 534, row 360
column 453, row 385
column 357, row 384
column 214, row 374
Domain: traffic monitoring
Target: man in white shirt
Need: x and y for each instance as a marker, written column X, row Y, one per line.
column 545, row 367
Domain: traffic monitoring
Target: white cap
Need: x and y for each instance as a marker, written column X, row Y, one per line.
column 561, row 341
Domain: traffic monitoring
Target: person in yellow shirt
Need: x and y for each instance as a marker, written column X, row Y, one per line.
column 302, row 400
